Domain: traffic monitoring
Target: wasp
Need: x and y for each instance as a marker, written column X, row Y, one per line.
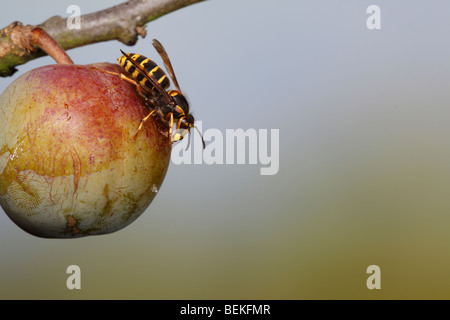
column 152, row 82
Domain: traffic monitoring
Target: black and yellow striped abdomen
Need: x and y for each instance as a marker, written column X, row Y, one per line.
column 152, row 69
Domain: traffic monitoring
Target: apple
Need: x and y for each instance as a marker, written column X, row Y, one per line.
column 69, row 166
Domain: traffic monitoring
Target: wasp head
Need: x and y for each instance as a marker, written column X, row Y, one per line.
column 184, row 126
column 187, row 122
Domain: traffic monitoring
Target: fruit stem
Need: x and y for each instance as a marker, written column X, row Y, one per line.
column 44, row 41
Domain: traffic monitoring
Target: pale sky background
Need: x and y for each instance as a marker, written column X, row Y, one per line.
column 364, row 177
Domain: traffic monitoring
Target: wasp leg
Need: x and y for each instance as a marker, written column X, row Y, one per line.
column 122, row 76
column 142, row 123
column 109, row 72
column 170, row 127
column 177, row 136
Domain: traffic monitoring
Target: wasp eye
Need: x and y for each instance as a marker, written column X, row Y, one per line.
column 190, row 119
column 184, row 123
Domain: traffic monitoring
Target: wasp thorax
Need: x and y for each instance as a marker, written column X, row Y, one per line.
column 180, row 101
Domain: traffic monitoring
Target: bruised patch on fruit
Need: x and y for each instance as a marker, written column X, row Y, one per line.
column 67, row 150
column 22, row 191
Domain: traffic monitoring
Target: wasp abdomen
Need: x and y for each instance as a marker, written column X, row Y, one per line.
column 151, row 67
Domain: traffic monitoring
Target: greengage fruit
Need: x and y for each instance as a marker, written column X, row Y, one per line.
column 69, row 166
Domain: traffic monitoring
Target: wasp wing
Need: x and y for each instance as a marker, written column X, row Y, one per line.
column 162, row 52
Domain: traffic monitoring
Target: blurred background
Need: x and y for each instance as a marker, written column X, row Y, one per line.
column 364, row 176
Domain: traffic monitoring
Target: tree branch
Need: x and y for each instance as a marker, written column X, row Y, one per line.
column 124, row 22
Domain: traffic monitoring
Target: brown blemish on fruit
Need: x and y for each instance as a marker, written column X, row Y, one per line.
column 76, row 168
column 71, row 226
column 108, row 205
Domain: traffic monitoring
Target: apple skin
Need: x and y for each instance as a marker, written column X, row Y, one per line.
column 69, row 166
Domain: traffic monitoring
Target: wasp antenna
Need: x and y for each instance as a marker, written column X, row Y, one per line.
column 189, row 142
column 203, row 141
